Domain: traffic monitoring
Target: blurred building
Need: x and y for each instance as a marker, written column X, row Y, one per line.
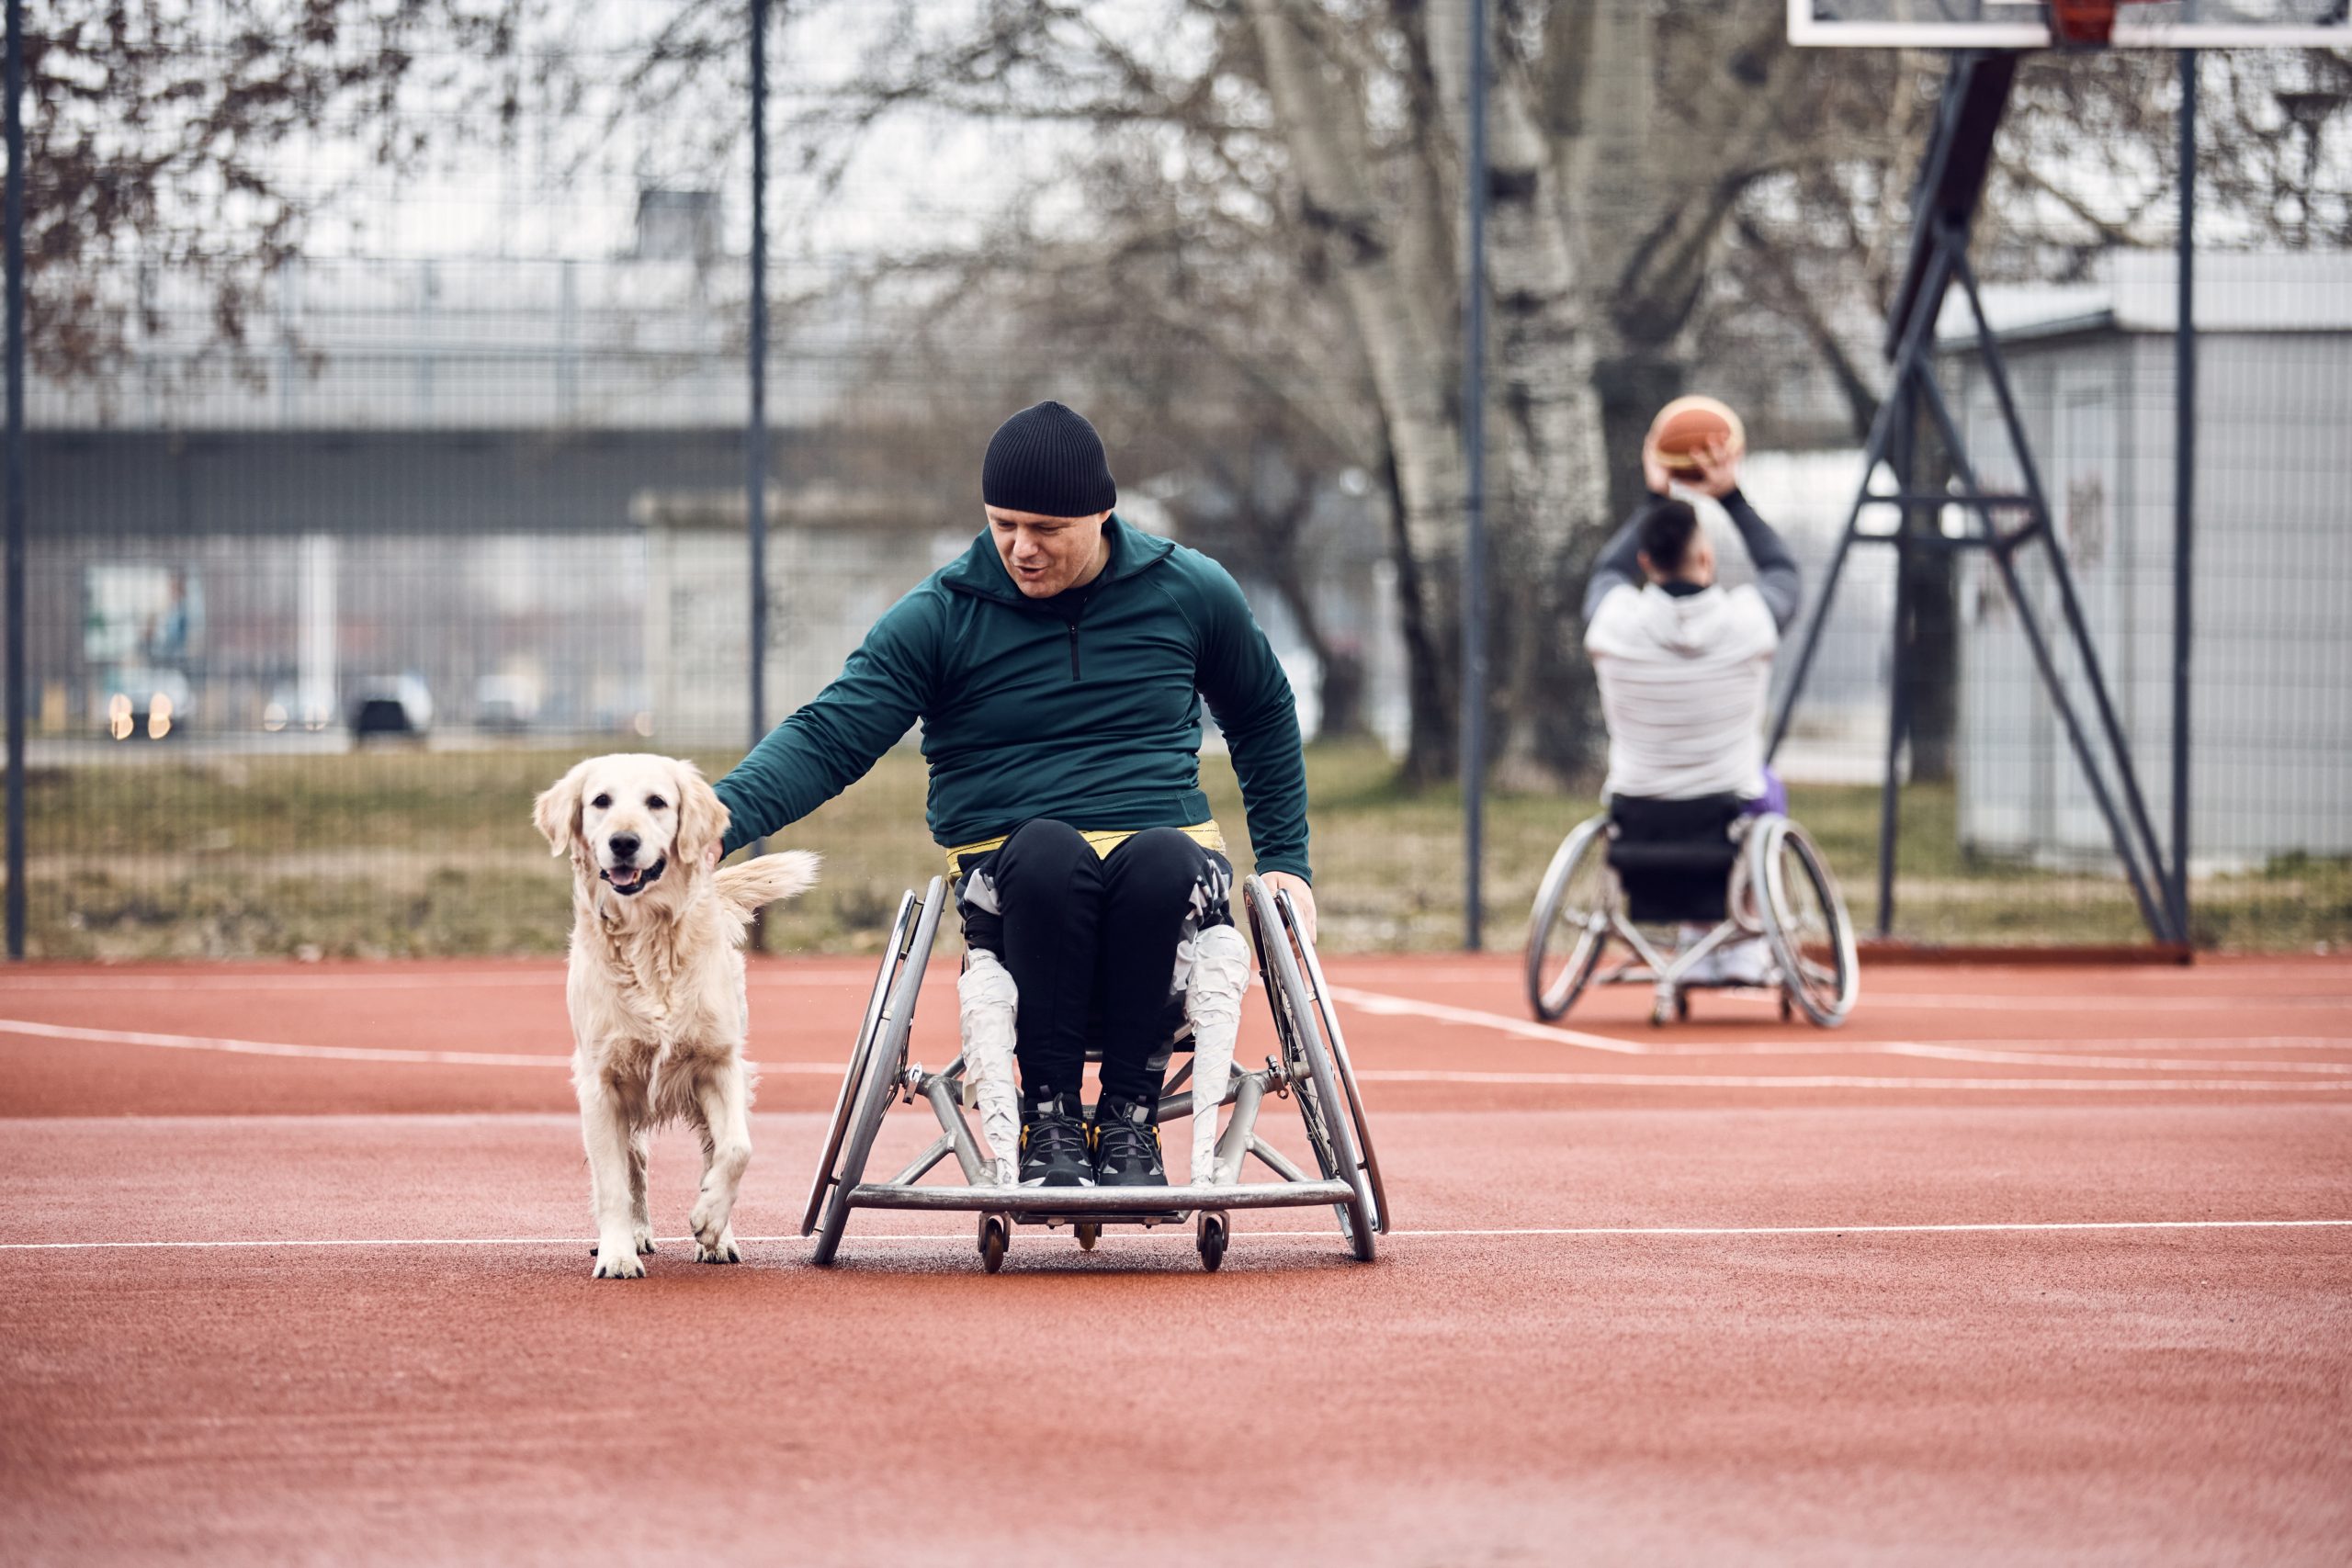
column 517, row 485
column 2093, row 367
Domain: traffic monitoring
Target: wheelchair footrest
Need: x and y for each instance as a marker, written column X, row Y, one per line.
column 1162, row 1217
column 1092, row 1202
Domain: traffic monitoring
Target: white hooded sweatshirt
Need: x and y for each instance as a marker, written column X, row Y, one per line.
column 1683, row 682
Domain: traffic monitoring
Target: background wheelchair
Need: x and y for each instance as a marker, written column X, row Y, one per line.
column 1663, row 863
column 1312, row 1069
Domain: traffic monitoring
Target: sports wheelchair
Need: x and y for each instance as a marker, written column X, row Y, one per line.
column 1313, row 1069
column 1666, row 862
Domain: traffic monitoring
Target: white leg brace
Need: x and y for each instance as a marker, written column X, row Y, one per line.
column 1220, row 979
column 988, row 1001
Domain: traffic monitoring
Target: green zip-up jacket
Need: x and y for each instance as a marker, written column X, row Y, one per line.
column 1085, row 707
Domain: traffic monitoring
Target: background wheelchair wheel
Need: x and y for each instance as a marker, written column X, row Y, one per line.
column 886, row 1066
column 1307, row 1063
column 1338, row 1041
column 846, row 1101
column 1806, row 923
column 1569, row 925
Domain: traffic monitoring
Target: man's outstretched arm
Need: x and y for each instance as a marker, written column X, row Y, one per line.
column 1777, row 576
column 833, row 740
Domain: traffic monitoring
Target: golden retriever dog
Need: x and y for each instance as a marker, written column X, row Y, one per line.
column 659, row 1014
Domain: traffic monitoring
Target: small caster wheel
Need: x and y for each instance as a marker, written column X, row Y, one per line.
column 1682, row 1007
column 992, row 1243
column 1088, row 1235
column 1787, row 1011
column 1212, row 1241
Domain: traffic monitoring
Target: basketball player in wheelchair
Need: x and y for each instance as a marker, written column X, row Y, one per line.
column 1695, row 835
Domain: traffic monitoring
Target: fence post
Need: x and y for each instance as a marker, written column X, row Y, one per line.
column 755, row 424
column 16, row 588
column 1473, row 462
column 2184, row 487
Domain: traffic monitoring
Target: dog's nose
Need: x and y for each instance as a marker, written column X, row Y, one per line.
column 625, row 846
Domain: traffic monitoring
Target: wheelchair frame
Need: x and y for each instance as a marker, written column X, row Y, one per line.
column 1312, row 1067
column 1824, row 993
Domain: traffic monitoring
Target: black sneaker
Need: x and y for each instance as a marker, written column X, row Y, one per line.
column 1053, row 1150
column 1126, row 1145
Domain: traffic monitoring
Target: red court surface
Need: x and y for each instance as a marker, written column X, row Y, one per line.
column 2025, row 1264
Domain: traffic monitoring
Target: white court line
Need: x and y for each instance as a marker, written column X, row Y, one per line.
column 330, row 1053
column 1827, row 1080
column 960, row 1240
column 2151, row 1049
column 2105, row 980
column 551, row 981
column 2154, row 1000
column 1386, row 1006
column 1383, row 1004
column 1949, row 1052
column 26, row 1027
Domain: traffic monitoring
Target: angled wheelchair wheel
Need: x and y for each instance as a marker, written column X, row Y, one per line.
column 829, row 1162
column 1306, row 1061
column 884, row 1071
column 1570, row 923
column 1328, row 1015
column 1805, row 922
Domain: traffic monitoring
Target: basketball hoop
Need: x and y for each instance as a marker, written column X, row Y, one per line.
column 2082, row 24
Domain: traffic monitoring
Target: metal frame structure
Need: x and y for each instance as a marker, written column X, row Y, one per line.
column 2136, row 27
column 1950, row 188
column 1824, row 993
column 1313, row 1068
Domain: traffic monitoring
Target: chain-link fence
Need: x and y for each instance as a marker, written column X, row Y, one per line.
column 362, row 502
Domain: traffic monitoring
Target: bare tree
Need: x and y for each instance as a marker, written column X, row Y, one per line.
column 157, row 135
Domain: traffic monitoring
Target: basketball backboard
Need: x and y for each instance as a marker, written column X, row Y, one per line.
column 2025, row 24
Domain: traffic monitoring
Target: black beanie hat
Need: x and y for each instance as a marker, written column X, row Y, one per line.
column 1047, row 459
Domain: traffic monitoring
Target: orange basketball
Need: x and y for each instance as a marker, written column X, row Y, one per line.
column 1687, row 426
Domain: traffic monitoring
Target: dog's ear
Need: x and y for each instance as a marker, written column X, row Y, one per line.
column 702, row 816
column 556, row 813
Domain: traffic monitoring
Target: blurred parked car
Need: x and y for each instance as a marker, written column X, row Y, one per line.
column 146, row 705
column 505, row 702
column 288, row 712
column 389, row 707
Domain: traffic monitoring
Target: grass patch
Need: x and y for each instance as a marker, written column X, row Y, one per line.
column 412, row 853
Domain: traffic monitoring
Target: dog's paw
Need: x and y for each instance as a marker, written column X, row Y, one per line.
column 708, row 1220
column 618, row 1263
column 645, row 1248
column 725, row 1252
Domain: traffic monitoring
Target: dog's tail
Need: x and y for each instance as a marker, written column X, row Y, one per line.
column 754, row 884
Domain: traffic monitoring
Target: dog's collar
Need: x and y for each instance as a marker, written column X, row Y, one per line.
column 641, row 884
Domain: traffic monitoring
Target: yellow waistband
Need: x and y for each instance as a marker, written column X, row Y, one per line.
column 1102, row 841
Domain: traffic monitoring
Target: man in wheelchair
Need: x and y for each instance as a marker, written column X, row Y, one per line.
column 1684, row 666
column 1058, row 669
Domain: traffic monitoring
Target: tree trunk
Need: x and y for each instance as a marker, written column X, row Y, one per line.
column 1397, row 296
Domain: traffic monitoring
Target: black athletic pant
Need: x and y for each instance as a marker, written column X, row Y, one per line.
column 1099, row 949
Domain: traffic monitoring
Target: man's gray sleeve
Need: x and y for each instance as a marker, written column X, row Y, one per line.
column 1777, row 576
column 1620, row 564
